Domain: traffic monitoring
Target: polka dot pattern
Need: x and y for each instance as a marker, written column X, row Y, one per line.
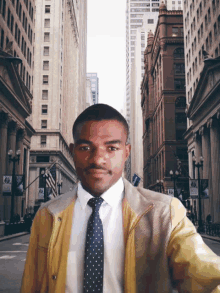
column 94, row 250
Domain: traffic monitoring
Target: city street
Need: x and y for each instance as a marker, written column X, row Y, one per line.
column 12, row 259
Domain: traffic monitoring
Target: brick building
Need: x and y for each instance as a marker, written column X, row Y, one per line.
column 163, row 105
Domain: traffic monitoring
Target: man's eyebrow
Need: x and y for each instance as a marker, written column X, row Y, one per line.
column 81, row 141
column 114, row 142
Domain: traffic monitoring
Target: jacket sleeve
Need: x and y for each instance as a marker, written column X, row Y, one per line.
column 35, row 277
column 194, row 267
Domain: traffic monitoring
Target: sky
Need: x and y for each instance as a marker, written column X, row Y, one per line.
column 106, row 49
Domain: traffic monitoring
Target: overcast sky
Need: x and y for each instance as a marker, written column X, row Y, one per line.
column 106, row 48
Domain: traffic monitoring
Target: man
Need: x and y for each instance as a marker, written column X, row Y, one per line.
column 108, row 236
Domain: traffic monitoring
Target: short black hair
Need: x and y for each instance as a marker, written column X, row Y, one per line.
column 99, row 112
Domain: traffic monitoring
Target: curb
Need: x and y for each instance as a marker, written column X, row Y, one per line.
column 13, row 236
column 210, row 237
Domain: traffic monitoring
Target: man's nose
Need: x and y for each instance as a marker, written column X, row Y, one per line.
column 98, row 156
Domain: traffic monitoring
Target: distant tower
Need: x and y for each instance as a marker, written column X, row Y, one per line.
column 94, row 86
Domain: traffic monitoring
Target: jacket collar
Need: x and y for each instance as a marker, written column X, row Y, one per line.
column 134, row 197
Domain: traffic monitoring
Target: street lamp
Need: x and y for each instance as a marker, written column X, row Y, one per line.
column 174, row 177
column 160, row 184
column 14, row 159
column 59, row 184
column 199, row 165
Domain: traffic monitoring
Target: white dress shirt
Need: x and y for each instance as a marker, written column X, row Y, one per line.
column 111, row 215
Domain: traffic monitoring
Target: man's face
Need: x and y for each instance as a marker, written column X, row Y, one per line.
column 100, row 152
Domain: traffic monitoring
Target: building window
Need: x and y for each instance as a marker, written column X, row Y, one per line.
column 178, row 53
column 46, row 37
column 2, row 38
column 174, row 31
column 9, row 17
column 46, row 51
column 45, row 65
column 46, row 22
column 179, row 68
column 179, row 84
column 43, row 123
column 47, row 8
column 215, row 31
column 43, row 140
column 45, row 79
column 44, row 94
column 44, row 110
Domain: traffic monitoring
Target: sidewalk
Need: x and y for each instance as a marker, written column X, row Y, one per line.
column 3, row 238
column 214, row 238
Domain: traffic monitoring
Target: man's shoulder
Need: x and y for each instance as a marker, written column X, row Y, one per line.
column 155, row 197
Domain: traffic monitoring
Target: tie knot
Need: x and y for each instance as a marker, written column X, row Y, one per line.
column 95, row 202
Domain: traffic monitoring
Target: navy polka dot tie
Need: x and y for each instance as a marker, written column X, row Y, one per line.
column 94, row 250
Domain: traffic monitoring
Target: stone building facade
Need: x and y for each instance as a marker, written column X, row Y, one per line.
column 163, row 104
column 15, row 132
column 59, row 88
column 203, row 135
column 17, row 35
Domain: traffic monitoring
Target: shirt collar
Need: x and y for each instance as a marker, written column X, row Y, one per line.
column 112, row 196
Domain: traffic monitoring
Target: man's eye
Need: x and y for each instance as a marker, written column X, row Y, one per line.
column 84, row 148
column 113, row 148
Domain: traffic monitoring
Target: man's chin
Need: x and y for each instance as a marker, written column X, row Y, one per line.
column 96, row 186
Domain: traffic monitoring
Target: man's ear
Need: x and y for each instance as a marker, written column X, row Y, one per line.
column 127, row 150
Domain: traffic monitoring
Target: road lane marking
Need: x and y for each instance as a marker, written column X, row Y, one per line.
column 20, row 244
column 7, row 256
column 11, row 251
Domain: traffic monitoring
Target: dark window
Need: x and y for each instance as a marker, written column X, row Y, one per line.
column 47, row 8
column 3, row 8
column 43, row 159
column 180, row 102
column 45, row 79
column 2, row 38
column 179, row 84
column 180, row 118
column 179, row 134
column 44, row 110
column 178, row 53
column 20, row 10
column 43, row 123
column 12, row 23
column 9, row 18
column 179, row 68
column 43, row 139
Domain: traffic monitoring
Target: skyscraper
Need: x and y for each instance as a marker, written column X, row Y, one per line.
column 59, row 87
column 141, row 17
column 16, row 34
column 94, row 86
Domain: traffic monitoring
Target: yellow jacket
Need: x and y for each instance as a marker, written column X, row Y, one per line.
column 162, row 247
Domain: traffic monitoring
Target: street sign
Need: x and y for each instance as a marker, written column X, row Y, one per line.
column 7, row 185
column 170, row 192
column 136, row 180
column 193, row 188
column 41, row 193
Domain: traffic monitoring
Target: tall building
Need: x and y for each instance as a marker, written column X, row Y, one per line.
column 202, row 45
column 16, row 76
column 59, row 89
column 141, row 17
column 163, row 105
column 94, row 86
column 16, row 34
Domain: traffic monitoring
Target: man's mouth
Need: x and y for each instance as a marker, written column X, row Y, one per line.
column 98, row 173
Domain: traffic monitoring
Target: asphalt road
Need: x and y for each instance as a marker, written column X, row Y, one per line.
column 12, row 260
